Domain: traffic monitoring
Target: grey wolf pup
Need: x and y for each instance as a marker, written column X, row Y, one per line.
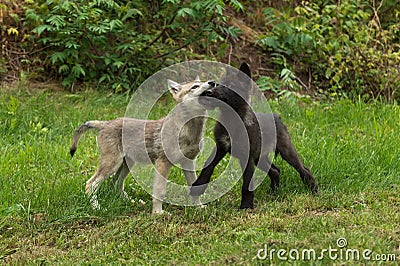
column 233, row 93
column 171, row 140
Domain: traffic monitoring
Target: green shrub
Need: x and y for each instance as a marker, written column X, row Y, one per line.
column 331, row 47
column 343, row 46
column 123, row 42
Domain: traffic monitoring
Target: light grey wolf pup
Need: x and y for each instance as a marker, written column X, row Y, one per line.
column 172, row 140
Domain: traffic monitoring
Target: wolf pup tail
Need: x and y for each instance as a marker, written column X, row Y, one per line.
column 98, row 125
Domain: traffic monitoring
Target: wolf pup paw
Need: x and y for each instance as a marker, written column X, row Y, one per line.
column 246, row 206
column 196, row 191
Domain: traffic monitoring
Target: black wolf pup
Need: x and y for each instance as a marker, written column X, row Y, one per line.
column 251, row 145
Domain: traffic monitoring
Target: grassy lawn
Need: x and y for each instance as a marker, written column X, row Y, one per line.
column 352, row 148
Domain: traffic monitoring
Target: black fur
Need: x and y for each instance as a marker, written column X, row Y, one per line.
column 232, row 94
column 72, row 152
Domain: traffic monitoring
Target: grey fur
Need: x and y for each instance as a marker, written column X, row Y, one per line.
column 171, row 140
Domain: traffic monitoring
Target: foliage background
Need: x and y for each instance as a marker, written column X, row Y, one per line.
column 328, row 48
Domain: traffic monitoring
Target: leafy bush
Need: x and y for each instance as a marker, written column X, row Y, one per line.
column 343, row 46
column 13, row 37
column 122, row 42
column 332, row 47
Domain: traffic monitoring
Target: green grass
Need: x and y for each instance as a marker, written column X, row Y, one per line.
column 353, row 149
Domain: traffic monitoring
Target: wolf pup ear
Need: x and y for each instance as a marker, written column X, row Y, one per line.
column 245, row 69
column 173, row 86
column 197, row 78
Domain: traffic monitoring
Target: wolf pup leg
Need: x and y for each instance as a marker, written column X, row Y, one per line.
column 247, row 187
column 286, row 149
column 189, row 170
column 120, row 176
column 199, row 186
column 105, row 169
column 160, row 185
column 272, row 170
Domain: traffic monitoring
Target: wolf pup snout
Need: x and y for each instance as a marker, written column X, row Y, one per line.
column 208, row 93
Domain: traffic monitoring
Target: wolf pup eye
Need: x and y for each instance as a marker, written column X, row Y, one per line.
column 195, row 87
